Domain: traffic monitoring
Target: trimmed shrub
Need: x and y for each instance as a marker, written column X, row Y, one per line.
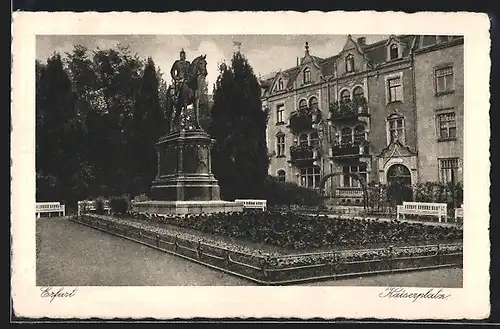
column 141, row 198
column 99, row 205
column 279, row 193
column 119, row 205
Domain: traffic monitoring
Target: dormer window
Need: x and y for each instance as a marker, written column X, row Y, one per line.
column 307, row 75
column 349, row 64
column 393, row 52
column 280, row 84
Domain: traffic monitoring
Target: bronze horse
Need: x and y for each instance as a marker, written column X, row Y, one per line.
column 188, row 93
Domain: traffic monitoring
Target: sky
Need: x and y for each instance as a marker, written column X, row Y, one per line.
column 265, row 53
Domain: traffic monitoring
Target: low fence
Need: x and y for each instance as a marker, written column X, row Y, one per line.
column 287, row 269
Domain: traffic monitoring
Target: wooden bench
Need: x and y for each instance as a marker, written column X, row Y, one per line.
column 459, row 212
column 90, row 205
column 252, row 204
column 423, row 209
column 50, row 207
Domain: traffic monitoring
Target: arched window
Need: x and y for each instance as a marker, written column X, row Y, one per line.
column 302, row 104
column 314, row 139
column 349, row 63
column 346, row 135
column 359, row 134
column 280, row 144
column 307, row 75
column 281, row 175
column 280, row 84
column 313, row 103
column 303, row 140
column 345, row 95
column 358, row 93
column 394, row 51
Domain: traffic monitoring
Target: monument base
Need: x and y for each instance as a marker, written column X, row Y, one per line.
column 186, row 207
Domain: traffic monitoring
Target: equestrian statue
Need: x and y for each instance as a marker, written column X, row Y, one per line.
column 187, row 81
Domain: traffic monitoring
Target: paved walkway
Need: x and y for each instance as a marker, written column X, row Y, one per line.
column 71, row 254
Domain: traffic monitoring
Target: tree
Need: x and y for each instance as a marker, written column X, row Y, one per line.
column 57, row 130
column 240, row 160
column 149, row 126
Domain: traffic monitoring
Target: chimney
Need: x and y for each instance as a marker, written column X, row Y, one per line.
column 362, row 41
column 297, row 61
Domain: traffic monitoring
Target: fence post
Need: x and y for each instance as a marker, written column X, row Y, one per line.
column 389, row 258
column 157, row 240
column 227, row 260
column 438, row 253
column 175, row 244
column 199, row 250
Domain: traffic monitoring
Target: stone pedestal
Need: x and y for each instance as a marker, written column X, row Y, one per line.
column 184, row 168
column 184, row 182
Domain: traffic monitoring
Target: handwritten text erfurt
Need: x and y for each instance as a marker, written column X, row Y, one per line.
column 53, row 293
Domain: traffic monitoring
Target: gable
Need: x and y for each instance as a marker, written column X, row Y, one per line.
column 396, row 149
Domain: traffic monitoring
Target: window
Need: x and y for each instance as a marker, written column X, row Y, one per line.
column 444, row 80
column 313, row 103
column 359, row 134
column 349, row 181
column 395, row 89
column 346, row 135
column 302, row 104
column 394, row 52
column 280, row 111
column 358, row 93
column 303, row 140
column 447, row 125
column 396, row 129
column 314, row 139
column 448, row 170
column 307, row 75
column 280, row 84
column 349, row 63
column 281, row 176
column 310, row 177
column 345, row 95
column 280, row 145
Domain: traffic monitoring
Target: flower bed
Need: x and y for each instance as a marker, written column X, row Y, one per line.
column 276, row 268
column 302, row 232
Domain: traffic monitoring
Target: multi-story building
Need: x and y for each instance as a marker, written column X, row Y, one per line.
column 383, row 112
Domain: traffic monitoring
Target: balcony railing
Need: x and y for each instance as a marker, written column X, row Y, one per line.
column 348, row 192
column 303, row 120
column 304, row 153
column 351, row 149
column 346, row 109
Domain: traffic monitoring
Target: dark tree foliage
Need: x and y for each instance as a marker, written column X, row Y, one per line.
column 238, row 125
column 98, row 115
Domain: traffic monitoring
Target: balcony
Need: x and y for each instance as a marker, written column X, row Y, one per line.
column 303, row 120
column 350, row 150
column 349, row 109
column 304, row 154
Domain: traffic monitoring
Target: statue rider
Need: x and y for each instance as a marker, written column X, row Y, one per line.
column 179, row 71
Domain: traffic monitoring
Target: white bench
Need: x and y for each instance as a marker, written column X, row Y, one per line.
column 423, row 209
column 91, row 206
column 50, row 207
column 459, row 212
column 252, row 204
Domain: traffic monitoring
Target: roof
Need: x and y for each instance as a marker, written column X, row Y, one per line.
column 376, row 54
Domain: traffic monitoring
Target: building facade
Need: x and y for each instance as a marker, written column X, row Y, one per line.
column 382, row 112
